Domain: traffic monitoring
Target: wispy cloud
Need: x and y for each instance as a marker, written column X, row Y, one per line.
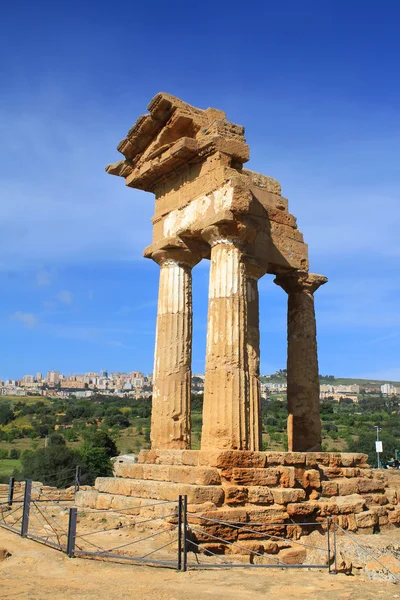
column 43, row 277
column 65, row 297
column 29, row 320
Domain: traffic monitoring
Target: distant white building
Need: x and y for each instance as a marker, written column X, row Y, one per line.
column 53, row 377
column 388, row 389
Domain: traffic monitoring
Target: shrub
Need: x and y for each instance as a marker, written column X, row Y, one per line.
column 54, row 465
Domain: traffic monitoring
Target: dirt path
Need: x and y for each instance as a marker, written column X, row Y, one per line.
column 35, row 572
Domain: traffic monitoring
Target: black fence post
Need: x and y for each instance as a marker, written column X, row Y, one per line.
column 11, row 491
column 26, row 508
column 77, row 478
column 334, row 546
column 71, row 532
column 179, row 532
column 328, row 527
column 185, row 530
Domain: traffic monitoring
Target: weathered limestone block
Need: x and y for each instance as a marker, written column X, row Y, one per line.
column 196, row 494
column 366, row 485
column 293, row 556
column 247, row 547
column 294, row 458
column 177, row 474
column 274, row 514
column 235, row 494
column 274, row 458
column 86, row 499
column 391, row 495
column 235, row 458
column 367, row 519
column 335, row 472
column 286, row 495
column 301, row 509
column 260, row 495
column 209, row 533
column 267, row 477
column 327, row 508
column 329, row 488
column 230, row 515
column 353, row 503
column 394, row 515
column 271, row 547
column 347, row 487
column 259, row 531
column 287, row 477
column 309, row 479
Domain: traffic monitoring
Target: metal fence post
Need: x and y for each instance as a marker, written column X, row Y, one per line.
column 185, row 528
column 73, row 512
column 328, row 522
column 77, row 478
column 26, row 507
column 11, row 491
column 334, row 545
column 179, row 532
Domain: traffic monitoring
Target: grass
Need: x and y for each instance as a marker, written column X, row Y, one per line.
column 7, row 466
column 26, row 399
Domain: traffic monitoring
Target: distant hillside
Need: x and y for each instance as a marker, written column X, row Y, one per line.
column 337, row 380
column 361, row 382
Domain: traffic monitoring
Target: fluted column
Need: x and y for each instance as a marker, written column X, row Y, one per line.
column 226, row 410
column 253, row 274
column 304, row 423
column 170, row 420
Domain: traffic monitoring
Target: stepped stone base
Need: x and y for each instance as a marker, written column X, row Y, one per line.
column 268, row 492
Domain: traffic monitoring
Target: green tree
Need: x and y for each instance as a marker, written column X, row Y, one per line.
column 95, row 462
column 54, row 465
column 100, row 439
column 6, row 414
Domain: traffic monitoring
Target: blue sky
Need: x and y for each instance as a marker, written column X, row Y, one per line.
column 315, row 84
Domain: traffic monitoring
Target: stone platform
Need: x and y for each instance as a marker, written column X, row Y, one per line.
column 278, row 491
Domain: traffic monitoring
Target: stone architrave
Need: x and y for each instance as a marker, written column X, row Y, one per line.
column 228, row 409
column 170, row 422
column 304, row 423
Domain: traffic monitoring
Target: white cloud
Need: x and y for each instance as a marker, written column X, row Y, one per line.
column 65, row 297
column 29, row 320
column 43, row 277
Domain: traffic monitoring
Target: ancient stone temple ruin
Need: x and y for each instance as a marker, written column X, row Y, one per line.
column 208, row 206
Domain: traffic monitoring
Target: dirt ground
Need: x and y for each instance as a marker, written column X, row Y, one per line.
column 35, row 572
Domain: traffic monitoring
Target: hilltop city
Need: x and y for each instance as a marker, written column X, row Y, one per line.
column 138, row 385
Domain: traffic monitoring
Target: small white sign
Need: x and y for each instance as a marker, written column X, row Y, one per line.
column 378, row 447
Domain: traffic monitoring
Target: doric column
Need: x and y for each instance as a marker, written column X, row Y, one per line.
column 253, row 274
column 226, row 409
column 304, row 423
column 170, row 419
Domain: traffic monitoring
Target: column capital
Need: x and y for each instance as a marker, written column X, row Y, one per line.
column 235, row 233
column 300, row 281
column 176, row 255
